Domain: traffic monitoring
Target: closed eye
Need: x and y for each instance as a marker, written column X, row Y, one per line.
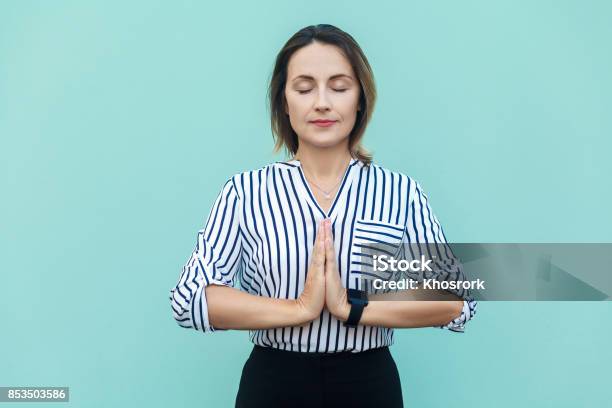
column 308, row 90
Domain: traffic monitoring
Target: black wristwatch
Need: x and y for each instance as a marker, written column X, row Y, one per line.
column 358, row 300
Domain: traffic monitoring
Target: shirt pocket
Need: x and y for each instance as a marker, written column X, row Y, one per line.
column 370, row 238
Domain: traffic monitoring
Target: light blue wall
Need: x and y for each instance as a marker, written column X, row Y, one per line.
column 120, row 122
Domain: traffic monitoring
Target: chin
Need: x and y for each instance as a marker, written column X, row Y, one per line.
column 324, row 140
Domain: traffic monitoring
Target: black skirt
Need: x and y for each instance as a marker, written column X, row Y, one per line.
column 279, row 378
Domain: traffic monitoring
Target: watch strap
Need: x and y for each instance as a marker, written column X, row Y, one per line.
column 354, row 315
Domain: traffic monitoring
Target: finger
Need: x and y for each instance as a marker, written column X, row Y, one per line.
column 318, row 253
column 321, row 234
column 330, row 254
column 328, row 234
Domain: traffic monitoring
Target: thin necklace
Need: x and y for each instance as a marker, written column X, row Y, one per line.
column 326, row 194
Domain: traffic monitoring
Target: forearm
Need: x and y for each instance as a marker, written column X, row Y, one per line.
column 410, row 312
column 230, row 308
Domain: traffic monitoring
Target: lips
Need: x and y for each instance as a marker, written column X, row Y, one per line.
column 323, row 122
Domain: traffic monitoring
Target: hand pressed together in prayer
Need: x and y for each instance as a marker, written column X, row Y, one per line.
column 323, row 288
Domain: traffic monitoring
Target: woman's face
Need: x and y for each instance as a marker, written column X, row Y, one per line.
column 321, row 85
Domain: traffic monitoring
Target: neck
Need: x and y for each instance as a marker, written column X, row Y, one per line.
column 324, row 164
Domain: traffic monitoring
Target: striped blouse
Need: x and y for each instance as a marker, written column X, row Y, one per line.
column 259, row 236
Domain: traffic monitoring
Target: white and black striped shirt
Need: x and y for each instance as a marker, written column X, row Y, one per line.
column 261, row 230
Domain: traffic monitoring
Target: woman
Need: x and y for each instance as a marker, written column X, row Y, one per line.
column 289, row 232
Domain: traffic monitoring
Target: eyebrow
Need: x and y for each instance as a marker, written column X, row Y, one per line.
column 311, row 78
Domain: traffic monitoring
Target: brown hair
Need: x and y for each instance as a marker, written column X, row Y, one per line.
column 282, row 131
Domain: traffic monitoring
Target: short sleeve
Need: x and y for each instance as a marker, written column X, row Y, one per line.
column 423, row 226
column 215, row 260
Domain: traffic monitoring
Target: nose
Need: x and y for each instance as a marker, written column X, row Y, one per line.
column 322, row 101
